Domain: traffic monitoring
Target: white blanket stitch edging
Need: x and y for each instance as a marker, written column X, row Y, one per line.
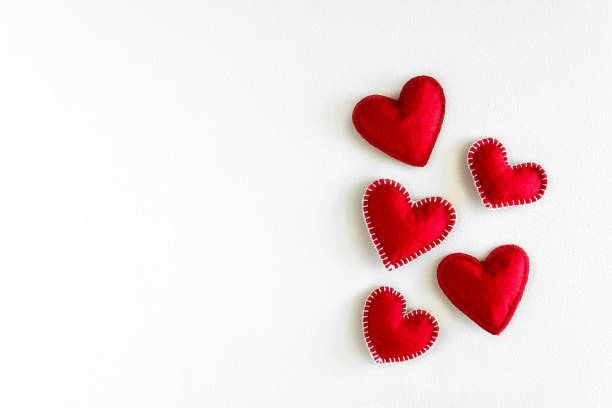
column 489, row 204
column 366, row 334
column 381, row 251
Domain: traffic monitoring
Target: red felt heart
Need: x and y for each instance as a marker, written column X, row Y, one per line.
column 390, row 333
column 487, row 292
column 407, row 128
column 402, row 229
column 498, row 183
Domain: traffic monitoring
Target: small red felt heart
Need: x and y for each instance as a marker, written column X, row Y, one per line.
column 390, row 333
column 407, row 128
column 498, row 183
column 487, row 292
column 402, row 229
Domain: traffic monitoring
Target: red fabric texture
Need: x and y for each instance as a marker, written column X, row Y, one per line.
column 487, row 292
column 502, row 185
column 391, row 334
column 402, row 229
column 407, row 128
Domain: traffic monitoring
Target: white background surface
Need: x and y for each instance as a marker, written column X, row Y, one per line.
column 180, row 185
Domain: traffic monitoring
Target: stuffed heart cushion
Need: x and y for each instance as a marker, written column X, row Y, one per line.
column 390, row 333
column 402, row 229
column 498, row 183
column 407, row 128
column 487, row 292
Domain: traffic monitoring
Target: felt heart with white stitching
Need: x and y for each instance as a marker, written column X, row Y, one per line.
column 402, row 229
column 498, row 183
column 393, row 335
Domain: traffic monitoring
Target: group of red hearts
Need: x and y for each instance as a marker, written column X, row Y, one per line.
column 402, row 230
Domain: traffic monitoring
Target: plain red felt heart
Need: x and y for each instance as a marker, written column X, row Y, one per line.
column 390, row 333
column 407, row 128
column 498, row 183
column 402, row 229
column 487, row 292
